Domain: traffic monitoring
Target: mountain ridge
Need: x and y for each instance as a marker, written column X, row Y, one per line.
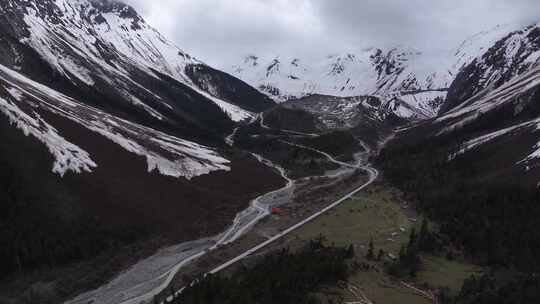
column 492, row 109
column 417, row 78
column 113, row 138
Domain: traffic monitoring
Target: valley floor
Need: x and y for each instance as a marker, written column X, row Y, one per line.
column 174, row 266
column 155, row 255
column 311, row 196
column 380, row 214
column 341, row 205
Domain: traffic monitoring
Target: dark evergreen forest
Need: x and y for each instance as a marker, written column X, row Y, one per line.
column 281, row 277
column 492, row 220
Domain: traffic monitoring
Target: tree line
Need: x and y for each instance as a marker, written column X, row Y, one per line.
column 492, row 222
column 285, row 276
column 523, row 289
column 38, row 231
column 408, row 263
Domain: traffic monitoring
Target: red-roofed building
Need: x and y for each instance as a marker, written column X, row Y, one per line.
column 277, row 211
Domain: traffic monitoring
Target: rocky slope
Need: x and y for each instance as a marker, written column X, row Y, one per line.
column 367, row 117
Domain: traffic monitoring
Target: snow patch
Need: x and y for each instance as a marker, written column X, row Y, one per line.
column 91, row 45
column 476, row 142
column 167, row 154
column 68, row 156
column 488, row 100
column 234, row 112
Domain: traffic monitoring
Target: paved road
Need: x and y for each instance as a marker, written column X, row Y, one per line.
column 259, row 208
column 148, row 278
column 373, row 175
column 260, row 117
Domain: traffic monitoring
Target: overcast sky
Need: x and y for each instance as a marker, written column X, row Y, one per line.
column 221, row 31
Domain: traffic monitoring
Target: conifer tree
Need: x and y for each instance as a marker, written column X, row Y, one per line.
column 370, row 254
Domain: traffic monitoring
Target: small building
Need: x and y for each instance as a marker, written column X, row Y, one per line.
column 277, row 211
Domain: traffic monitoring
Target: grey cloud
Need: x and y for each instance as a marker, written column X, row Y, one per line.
column 220, row 31
column 423, row 23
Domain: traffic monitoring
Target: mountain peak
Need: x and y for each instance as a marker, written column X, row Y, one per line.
column 371, row 71
column 119, row 8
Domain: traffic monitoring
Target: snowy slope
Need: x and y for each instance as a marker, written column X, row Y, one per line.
column 502, row 76
column 504, row 121
column 491, row 116
column 511, row 93
column 480, row 43
column 499, row 124
column 418, row 78
column 105, row 46
column 511, row 55
column 166, row 154
column 112, row 38
column 370, row 72
column 502, row 81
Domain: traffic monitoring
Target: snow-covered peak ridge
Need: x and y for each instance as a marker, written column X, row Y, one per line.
column 93, row 26
column 394, row 72
column 372, row 71
column 478, row 44
column 108, row 46
column 166, row 154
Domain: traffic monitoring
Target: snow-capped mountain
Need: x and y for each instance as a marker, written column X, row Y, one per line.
column 111, row 136
column 370, row 72
column 493, row 109
column 168, row 155
column 512, row 55
column 105, row 46
column 104, row 55
column 417, row 78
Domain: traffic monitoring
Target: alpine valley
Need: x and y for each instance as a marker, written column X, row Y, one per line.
column 130, row 170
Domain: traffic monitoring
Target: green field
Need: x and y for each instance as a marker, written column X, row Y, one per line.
column 379, row 288
column 373, row 286
column 373, row 214
column 441, row 272
column 380, row 214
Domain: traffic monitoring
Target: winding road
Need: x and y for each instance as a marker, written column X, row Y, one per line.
column 260, row 117
column 259, row 208
column 373, row 175
column 148, row 278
